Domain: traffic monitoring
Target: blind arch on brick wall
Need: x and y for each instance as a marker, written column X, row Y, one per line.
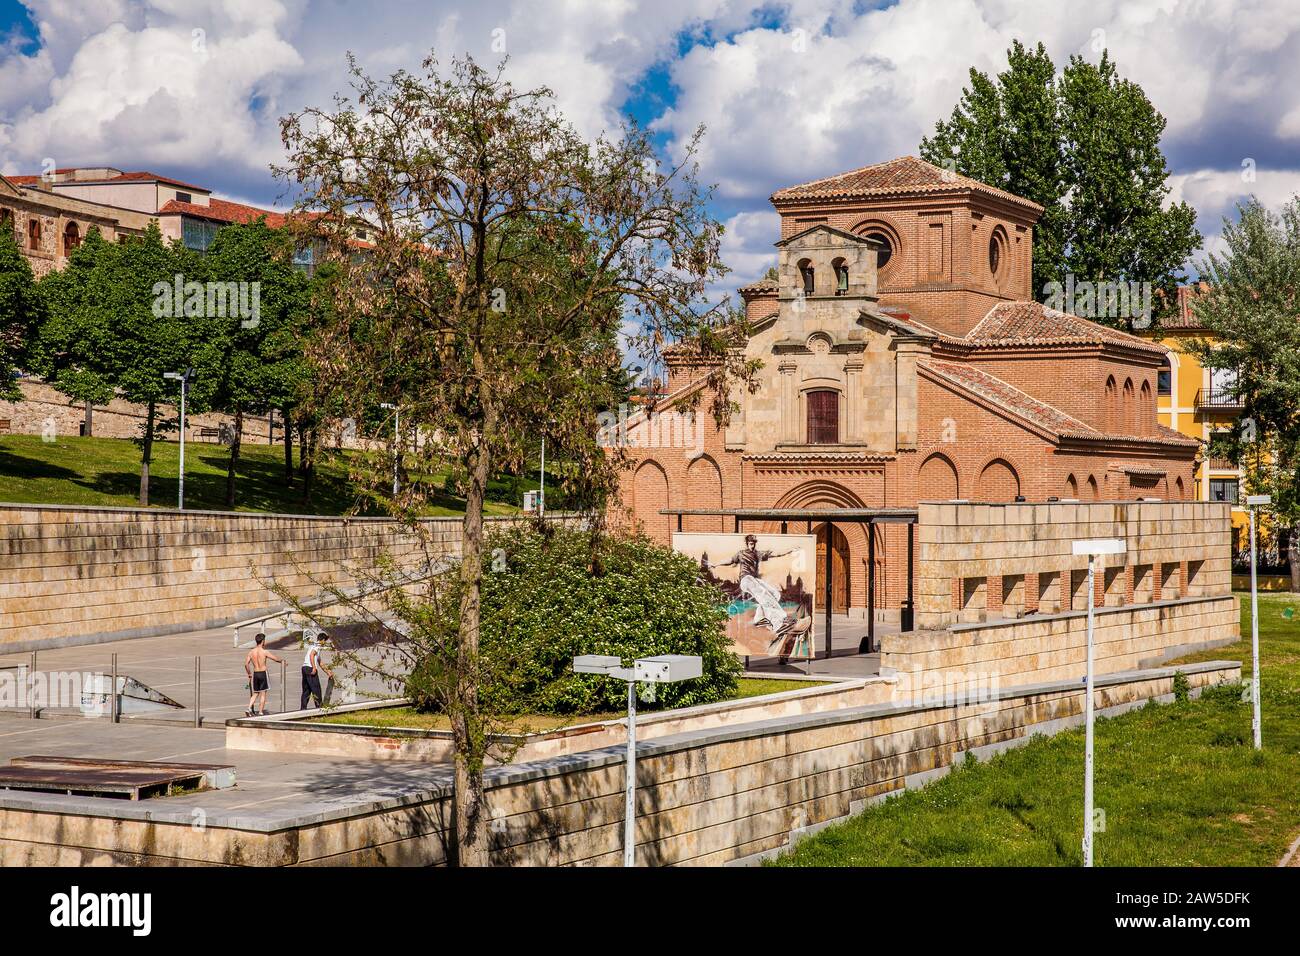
column 1071, row 487
column 703, row 490
column 999, row 481
column 1094, row 490
column 937, row 479
column 650, row 492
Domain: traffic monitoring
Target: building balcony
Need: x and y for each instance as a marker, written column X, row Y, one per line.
column 1218, row 399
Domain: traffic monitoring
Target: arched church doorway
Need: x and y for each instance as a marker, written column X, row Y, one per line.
column 839, row 570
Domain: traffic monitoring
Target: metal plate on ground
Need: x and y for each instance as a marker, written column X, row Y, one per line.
column 123, row 779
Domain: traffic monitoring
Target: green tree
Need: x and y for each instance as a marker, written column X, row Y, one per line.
column 1250, row 307
column 113, row 327
column 20, row 312
column 1085, row 145
column 504, row 252
column 260, row 364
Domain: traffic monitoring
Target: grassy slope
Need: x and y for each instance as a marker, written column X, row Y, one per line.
column 1180, row 785
column 106, row 471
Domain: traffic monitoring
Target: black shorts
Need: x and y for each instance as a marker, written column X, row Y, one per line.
column 260, row 683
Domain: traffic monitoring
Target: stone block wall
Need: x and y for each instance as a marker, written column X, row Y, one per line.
column 1054, row 647
column 708, row 797
column 980, row 562
column 73, row 575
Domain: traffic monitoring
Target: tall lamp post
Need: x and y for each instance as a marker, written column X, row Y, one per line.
column 663, row 669
column 184, row 378
column 541, row 498
column 396, row 410
column 1256, row 723
column 1092, row 548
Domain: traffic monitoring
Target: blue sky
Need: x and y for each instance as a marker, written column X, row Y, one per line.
column 787, row 91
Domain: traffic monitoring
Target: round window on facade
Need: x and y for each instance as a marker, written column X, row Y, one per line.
column 995, row 253
column 887, row 247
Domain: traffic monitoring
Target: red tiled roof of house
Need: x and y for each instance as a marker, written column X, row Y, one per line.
column 1032, row 323
column 1184, row 318
column 1049, row 418
column 1007, row 396
column 757, row 288
column 142, row 176
column 905, row 175
column 222, row 210
column 146, row 177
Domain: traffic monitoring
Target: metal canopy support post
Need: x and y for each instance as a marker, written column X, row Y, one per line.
column 830, row 566
column 909, row 610
column 871, row 587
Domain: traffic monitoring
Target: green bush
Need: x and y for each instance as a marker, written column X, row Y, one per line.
column 547, row 598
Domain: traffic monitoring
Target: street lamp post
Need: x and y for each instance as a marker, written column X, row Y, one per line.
column 663, row 669
column 184, row 378
column 1092, row 548
column 1256, row 722
column 396, row 410
column 541, row 499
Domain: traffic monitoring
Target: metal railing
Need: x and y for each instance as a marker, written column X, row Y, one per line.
column 1218, row 398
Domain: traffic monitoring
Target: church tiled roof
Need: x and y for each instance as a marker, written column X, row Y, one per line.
column 1032, row 323
column 906, row 175
column 1037, row 412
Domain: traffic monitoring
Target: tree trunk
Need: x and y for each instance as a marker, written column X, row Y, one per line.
column 288, row 448
column 471, row 811
column 234, row 457
column 1293, row 556
column 307, row 464
column 90, row 419
column 145, row 457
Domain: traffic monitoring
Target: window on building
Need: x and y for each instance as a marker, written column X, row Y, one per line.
column 1224, row 489
column 184, row 197
column 71, row 238
column 824, row 417
column 995, row 253
column 886, row 252
column 33, row 233
column 1165, row 378
column 197, row 234
column 7, row 218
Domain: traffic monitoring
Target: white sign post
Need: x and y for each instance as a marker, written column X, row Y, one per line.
column 1253, row 502
column 664, row 669
column 1092, row 548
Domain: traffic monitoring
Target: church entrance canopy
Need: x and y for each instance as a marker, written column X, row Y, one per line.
column 830, row 517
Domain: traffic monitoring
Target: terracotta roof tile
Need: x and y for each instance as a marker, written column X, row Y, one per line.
column 222, row 210
column 1032, row 323
column 1047, row 417
column 905, row 175
column 1008, row 396
column 759, row 287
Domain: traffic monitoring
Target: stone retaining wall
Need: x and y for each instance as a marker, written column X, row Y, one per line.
column 77, row 575
column 707, row 797
column 1054, row 646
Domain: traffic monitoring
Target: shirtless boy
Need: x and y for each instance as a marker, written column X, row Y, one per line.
column 255, row 668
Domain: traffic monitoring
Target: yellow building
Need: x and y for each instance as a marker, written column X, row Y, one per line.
column 1197, row 402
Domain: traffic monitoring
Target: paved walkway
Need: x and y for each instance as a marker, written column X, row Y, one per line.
column 271, row 790
column 166, row 664
column 845, row 661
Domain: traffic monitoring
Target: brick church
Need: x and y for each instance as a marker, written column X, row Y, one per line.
column 904, row 360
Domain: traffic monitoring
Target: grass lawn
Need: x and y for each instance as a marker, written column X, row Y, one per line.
column 106, row 471
column 532, row 723
column 1180, row 785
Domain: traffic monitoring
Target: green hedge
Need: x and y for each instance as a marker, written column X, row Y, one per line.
column 547, row 598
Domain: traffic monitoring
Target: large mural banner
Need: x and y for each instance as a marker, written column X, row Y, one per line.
column 768, row 580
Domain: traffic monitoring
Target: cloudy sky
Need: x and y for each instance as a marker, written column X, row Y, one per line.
column 788, row 91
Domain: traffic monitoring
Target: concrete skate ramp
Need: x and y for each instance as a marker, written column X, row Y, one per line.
column 133, row 696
